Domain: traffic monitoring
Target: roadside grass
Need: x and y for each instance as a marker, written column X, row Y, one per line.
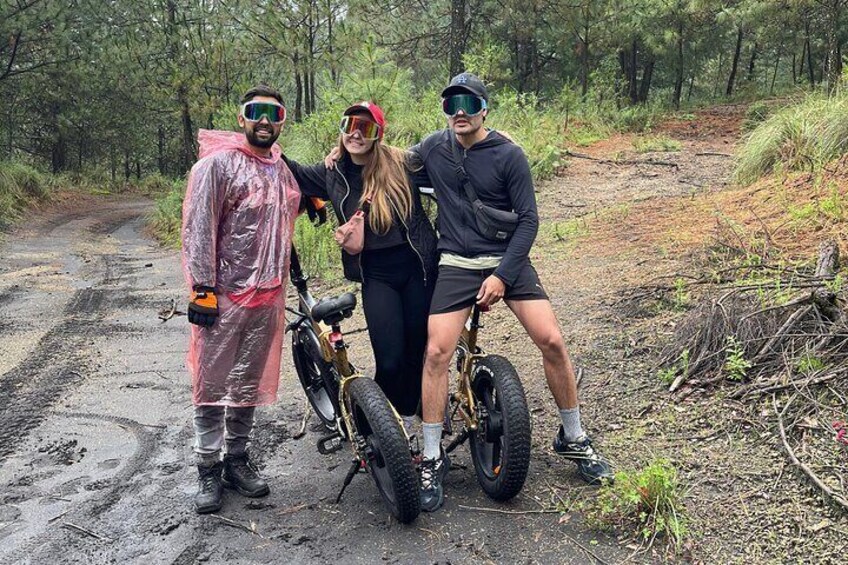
column 165, row 221
column 801, row 137
column 20, row 186
column 647, row 502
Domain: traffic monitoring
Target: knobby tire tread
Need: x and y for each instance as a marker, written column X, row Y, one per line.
column 369, row 397
column 513, row 402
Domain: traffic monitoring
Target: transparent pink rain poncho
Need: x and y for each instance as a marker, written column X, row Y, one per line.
column 238, row 219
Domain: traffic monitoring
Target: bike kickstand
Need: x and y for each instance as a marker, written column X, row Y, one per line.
column 355, row 465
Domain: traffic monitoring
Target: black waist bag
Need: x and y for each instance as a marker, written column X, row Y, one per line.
column 491, row 223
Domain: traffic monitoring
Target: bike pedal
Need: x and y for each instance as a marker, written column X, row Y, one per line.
column 330, row 444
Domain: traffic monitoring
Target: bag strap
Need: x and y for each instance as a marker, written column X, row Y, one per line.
column 461, row 174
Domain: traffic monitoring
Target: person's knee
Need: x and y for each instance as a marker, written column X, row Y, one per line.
column 552, row 345
column 438, row 357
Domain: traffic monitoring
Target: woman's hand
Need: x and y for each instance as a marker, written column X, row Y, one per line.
column 331, row 158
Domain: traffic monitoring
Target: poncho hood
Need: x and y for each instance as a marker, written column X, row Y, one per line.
column 213, row 141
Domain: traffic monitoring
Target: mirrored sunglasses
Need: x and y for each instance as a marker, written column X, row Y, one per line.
column 366, row 128
column 253, row 111
column 471, row 105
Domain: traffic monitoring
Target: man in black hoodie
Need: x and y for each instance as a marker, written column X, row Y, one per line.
column 474, row 268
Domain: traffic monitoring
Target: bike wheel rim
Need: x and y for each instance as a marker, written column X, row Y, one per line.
column 490, row 453
column 376, row 465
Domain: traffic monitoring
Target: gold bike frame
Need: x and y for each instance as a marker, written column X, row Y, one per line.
column 337, row 356
column 463, row 397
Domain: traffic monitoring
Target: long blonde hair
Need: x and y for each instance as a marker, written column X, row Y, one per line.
column 385, row 182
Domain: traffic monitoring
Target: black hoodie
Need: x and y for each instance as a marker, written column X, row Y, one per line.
column 500, row 175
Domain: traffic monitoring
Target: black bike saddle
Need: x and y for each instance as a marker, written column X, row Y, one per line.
column 333, row 310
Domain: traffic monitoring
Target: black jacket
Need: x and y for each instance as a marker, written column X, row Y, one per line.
column 500, row 175
column 319, row 182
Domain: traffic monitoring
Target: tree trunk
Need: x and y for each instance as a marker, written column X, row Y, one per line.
column 330, row 45
column 189, row 152
column 583, row 54
column 752, row 62
column 298, row 89
column 678, row 79
column 458, row 36
column 834, row 60
column 809, row 45
column 160, row 157
column 691, row 87
column 794, row 74
column 733, row 68
column 774, row 74
column 632, row 86
column 58, row 151
column 647, row 77
column 719, row 69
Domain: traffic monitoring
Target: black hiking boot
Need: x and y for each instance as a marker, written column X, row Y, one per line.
column 240, row 474
column 591, row 466
column 209, row 488
column 433, row 472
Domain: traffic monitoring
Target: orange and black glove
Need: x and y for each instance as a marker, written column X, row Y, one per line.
column 203, row 306
column 317, row 210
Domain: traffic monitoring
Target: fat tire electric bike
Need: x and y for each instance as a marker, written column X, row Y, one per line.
column 351, row 406
column 489, row 406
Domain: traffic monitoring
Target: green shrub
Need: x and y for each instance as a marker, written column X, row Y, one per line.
column 20, row 186
column 735, row 364
column 155, row 184
column 804, row 136
column 318, row 252
column 647, row 502
column 166, row 220
column 755, row 114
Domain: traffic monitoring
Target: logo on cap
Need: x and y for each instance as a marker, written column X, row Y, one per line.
column 462, row 79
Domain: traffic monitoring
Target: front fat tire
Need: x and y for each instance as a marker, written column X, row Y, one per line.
column 503, row 478
column 393, row 471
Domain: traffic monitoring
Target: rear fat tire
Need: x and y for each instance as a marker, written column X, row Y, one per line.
column 306, row 353
column 501, row 465
column 393, row 470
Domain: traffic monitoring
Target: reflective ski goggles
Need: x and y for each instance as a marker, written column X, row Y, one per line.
column 366, row 128
column 470, row 104
column 253, row 111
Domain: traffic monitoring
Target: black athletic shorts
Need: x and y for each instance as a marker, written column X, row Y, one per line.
column 457, row 288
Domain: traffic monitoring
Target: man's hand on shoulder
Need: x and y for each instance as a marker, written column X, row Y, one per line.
column 491, row 291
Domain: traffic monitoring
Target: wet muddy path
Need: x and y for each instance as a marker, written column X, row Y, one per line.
column 95, row 435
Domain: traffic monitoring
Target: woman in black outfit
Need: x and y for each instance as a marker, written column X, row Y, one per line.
column 398, row 264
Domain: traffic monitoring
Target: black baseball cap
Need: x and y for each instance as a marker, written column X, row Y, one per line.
column 464, row 83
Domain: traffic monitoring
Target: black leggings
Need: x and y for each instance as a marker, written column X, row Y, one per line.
column 396, row 305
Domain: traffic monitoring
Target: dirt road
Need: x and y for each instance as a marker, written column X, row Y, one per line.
column 95, row 435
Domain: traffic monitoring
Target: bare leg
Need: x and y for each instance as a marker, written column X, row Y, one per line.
column 443, row 331
column 541, row 325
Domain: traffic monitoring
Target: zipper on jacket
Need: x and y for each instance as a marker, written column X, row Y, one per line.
column 406, row 231
column 341, row 205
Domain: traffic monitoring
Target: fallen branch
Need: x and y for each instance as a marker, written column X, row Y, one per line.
column 302, row 431
column 85, row 531
column 169, row 313
column 712, row 154
column 774, row 386
column 499, row 511
column 623, row 162
column 809, row 472
column 232, row 523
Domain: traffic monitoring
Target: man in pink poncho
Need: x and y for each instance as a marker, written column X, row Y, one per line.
column 238, row 217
